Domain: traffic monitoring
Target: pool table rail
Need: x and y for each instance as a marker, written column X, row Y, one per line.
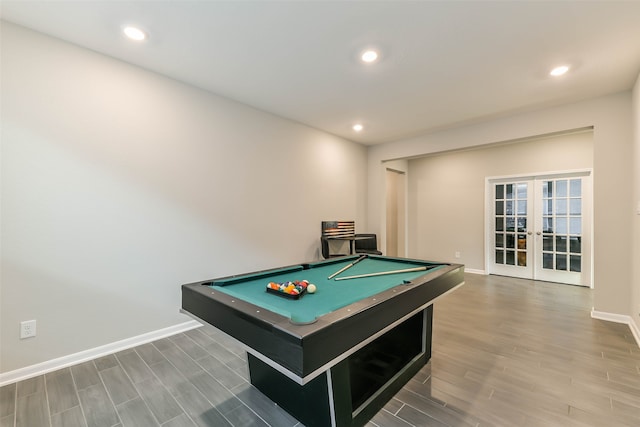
column 303, row 351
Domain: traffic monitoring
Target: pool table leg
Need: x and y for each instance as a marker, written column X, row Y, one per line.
column 309, row 404
column 327, row 399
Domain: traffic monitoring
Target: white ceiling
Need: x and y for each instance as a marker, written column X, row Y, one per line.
column 443, row 63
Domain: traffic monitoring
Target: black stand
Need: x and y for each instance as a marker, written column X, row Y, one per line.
column 356, row 388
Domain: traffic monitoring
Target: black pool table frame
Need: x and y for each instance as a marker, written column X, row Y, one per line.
column 317, row 362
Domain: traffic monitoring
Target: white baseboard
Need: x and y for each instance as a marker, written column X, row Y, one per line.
column 635, row 331
column 618, row 318
column 474, row 271
column 83, row 356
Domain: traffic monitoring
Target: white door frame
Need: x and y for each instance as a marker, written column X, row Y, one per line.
column 488, row 213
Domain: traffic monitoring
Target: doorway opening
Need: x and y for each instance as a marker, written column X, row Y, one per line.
column 396, row 213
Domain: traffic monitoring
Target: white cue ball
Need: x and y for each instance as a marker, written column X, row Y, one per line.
column 311, row 288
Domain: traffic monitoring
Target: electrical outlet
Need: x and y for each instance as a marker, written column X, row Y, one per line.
column 457, row 254
column 27, row 329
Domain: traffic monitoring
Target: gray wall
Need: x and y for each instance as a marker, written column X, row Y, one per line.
column 118, row 185
column 447, row 191
column 611, row 119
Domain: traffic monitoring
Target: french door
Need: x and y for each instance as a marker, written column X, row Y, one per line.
column 540, row 228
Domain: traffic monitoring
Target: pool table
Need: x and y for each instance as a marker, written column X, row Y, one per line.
column 336, row 356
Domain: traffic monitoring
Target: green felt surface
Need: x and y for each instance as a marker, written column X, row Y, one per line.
column 330, row 295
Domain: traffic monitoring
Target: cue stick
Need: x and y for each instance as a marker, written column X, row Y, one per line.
column 406, row 270
column 347, row 267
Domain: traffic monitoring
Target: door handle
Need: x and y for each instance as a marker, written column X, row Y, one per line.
column 529, row 233
column 538, row 233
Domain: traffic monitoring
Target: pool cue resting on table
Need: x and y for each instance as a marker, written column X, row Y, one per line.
column 347, row 267
column 381, row 273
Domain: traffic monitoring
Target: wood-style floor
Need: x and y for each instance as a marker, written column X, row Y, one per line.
column 507, row 352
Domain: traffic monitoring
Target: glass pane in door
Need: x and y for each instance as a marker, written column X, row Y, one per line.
column 562, row 224
column 510, row 212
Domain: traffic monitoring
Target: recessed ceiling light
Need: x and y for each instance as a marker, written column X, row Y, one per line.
column 369, row 56
column 558, row 71
column 358, row 127
column 134, row 33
